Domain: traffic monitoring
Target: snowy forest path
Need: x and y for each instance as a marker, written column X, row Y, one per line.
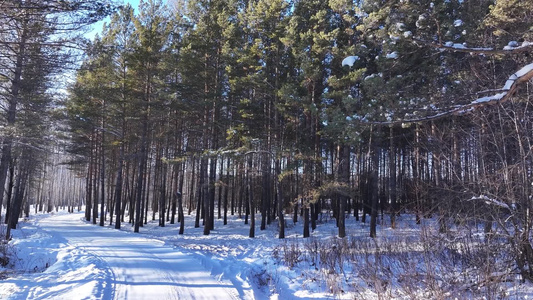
column 136, row 267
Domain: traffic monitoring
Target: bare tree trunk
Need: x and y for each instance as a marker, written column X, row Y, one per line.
column 16, row 203
column 102, row 169
column 11, row 113
column 265, row 195
column 88, row 190
column 177, row 173
column 10, row 187
column 281, row 219
column 251, row 198
column 180, row 202
column 95, row 178
column 140, row 178
column 392, row 178
column 374, row 153
column 180, row 213
column 199, row 194
column 306, row 222
column 226, row 190
column 343, row 156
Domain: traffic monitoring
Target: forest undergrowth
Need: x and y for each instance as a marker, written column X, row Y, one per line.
column 411, row 261
column 462, row 263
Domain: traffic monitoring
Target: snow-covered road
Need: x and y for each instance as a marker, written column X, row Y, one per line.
column 103, row 263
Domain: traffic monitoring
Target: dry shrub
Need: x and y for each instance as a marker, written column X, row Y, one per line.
column 461, row 264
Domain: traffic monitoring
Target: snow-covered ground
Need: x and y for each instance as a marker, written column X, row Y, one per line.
column 91, row 262
column 60, row 256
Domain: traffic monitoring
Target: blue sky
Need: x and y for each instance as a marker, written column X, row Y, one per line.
column 134, row 3
column 97, row 27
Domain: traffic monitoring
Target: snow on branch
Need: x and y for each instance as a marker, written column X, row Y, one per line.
column 508, row 90
column 511, row 48
column 505, row 93
column 350, row 60
column 492, row 201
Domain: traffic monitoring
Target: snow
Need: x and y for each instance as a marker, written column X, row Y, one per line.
column 373, row 76
column 92, row 262
column 524, row 70
column 463, row 47
column 421, row 22
column 400, row 26
column 60, row 256
column 492, row 201
column 350, row 60
column 393, row 38
column 459, row 46
column 392, row 55
column 513, row 45
column 458, row 23
column 502, row 93
column 511, row 80
column 491, row 98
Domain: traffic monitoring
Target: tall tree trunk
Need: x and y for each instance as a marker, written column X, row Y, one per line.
column 344, row 177
column 16, row 203
column 220, row 187
column 11, row 113
column 265, row 195
column 118, row 187
column 102, row 169
column 251, row 198
column 417, row 175
column 88, row 190
column 178, row 175
column 226, row 190
column 192, row 189
column 199, row 194
column 140, row 177
column 180, row 213
column 10, row 187
column 162, row 196
column 206, row 196
column 392, row 178
column 374, row 153
column 180, row 201
column 306, row 222
column 211, row 191
column 296, row 192
column 95, row 178
column 281, row 219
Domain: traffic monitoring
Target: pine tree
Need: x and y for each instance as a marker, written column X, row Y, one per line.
column 151, row 34
column 119, row 35
column 31, row 32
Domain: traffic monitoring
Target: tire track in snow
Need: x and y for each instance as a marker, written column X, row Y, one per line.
column 137, row 267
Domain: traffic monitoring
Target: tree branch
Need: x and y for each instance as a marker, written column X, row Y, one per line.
column 526, row 46
column 505, row 93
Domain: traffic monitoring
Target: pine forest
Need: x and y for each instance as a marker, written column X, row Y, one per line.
column 283, row 116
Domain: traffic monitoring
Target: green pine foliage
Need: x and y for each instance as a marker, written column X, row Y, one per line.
column 247, row 104
column 244, row 106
